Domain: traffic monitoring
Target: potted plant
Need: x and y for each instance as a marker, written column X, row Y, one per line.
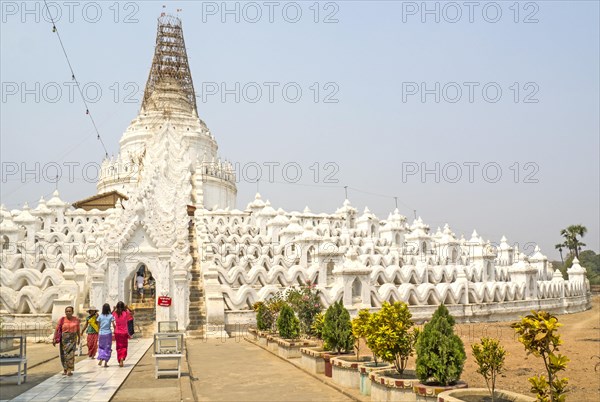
column 317, row 327
column 306, row 303
column 274, row 305
column 264, row 323
column 346, row 369
column 489, row 356
column 391, row 337
column 288, row 326
column 440, row 356
column 337, row 333
column 538, row 333
column 360, row 329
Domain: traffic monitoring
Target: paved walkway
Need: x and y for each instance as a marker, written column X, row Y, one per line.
column 103, row 382
column 227, row 369
column 233, row 369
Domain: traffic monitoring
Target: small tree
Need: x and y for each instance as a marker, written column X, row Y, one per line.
column 538, row 333
column 440, row 352
column 391, row 336
column 306, row 302
column 337, row 329
column 360, row 329
column 274, row 304
column 489, row 356
column 288, row 324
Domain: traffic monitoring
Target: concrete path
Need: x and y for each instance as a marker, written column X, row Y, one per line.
column 232, row 369
column 89, row 382
column 226, row 369
column 42, row 363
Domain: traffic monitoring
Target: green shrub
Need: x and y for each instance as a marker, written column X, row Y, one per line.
column 273, row 307
column 337, row 329
column 288, row 324
column 538, row 333
column 489, row 356
column 264, row 317
column 440, row 352
column 317, row 326
column 390, row 335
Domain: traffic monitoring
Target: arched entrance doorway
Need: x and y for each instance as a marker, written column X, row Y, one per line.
column 142, row 286
column 142, row 299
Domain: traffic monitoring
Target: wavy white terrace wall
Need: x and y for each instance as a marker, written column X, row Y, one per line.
column 53, row 256
column 248, row 257
column 43, row 255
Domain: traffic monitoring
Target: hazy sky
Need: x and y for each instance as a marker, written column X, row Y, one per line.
column 483, row 115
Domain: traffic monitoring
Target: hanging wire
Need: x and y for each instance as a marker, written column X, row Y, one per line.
column 395, row 198
column 87, row 109
column 59, row 159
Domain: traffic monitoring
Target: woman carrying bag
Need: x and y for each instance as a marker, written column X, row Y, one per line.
column 122, row 315
column 67, row 336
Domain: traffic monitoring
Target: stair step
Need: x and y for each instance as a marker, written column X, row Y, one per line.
column 196, row 307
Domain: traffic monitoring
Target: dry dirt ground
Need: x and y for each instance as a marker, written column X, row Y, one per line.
column 580, row 334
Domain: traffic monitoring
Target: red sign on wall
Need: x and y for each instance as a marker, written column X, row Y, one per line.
column 164, row 301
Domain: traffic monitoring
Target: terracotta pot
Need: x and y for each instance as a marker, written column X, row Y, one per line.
column 328, row 368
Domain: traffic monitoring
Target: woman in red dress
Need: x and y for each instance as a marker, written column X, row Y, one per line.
column 122, row 315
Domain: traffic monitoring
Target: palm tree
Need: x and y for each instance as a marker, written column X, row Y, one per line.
column 572, row 243
column 559, row 247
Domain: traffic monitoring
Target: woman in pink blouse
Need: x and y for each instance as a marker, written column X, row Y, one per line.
column 67, row 336
column 122, row 314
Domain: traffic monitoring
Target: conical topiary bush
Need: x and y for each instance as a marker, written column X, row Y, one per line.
column 337, row 329
column 440, row 352
column 288, row 324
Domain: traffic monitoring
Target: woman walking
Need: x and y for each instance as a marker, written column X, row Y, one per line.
column 67, row 336
column 105, row 320
column 91, row 324
column 122, row 314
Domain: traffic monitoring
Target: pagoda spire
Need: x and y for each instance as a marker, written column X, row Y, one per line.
column 170, row 79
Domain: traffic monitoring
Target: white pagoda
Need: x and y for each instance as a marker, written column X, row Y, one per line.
column 166, row 207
